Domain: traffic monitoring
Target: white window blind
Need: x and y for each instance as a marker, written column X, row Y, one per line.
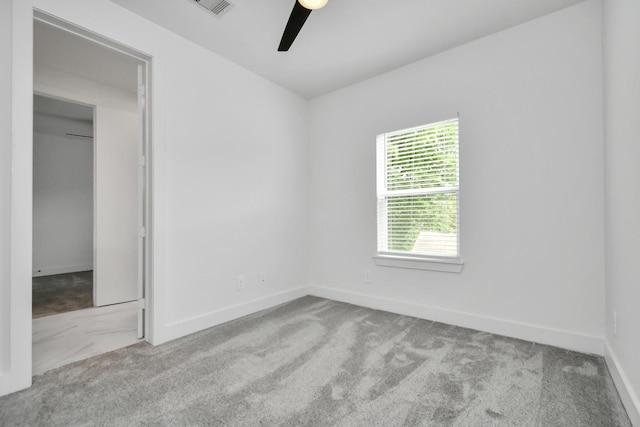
column 417, row 186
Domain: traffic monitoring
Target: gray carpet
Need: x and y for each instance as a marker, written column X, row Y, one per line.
column 61, row 293
column 315, row 362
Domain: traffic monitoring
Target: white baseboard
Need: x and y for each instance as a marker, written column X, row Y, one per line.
column 204, row 321
column 555, row 337
column 628, row 396
column 48, row 271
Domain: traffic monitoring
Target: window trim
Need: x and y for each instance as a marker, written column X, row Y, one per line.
column 449, row 264
column 444, row 264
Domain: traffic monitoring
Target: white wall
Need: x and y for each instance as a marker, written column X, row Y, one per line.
column 236, row 185
column 229, row 180
column 62, row 196
column 5, row 184
column 531, row 196
column 622, row 180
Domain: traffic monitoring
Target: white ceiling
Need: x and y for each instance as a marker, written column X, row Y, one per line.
column 345, row 42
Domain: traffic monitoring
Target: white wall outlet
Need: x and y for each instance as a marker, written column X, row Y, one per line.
column 263, row 278
column 240, row 284
column 615, row 323
column 367, row 276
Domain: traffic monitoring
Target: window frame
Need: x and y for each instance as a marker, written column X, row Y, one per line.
column 443, row 263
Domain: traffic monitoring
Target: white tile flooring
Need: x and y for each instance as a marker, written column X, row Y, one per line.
column 64, row 338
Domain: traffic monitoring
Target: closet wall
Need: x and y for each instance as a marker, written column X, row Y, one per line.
column 62, row 195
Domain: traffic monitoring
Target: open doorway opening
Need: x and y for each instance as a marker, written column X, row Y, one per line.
column 91, row 195
column 63, row 200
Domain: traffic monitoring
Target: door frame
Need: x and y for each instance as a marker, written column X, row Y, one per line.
column 146, row 302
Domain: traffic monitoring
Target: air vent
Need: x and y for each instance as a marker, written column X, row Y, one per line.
column 217, row 7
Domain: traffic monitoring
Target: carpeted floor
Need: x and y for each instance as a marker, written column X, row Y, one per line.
column 61, row 293
column 315, row 362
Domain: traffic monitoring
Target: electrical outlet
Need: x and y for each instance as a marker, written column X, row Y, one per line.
column 263, row 278
column 615, row 323
column 240, row 283
column 367, row 276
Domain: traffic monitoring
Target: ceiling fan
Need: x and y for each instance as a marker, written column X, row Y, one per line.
column 301, row 11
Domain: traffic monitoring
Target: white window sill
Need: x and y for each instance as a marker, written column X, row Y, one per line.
column 420, row 263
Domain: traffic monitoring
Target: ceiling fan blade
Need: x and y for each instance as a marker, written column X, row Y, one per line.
column 298, row 17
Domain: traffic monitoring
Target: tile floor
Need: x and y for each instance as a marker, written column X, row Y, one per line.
column 61, row 339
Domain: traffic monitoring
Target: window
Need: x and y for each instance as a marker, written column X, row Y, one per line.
column 417, row 186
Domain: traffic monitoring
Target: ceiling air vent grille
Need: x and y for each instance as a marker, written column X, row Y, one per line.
column 217, row 7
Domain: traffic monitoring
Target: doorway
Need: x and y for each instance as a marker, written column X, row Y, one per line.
column 75, row 71
column 63, row 206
